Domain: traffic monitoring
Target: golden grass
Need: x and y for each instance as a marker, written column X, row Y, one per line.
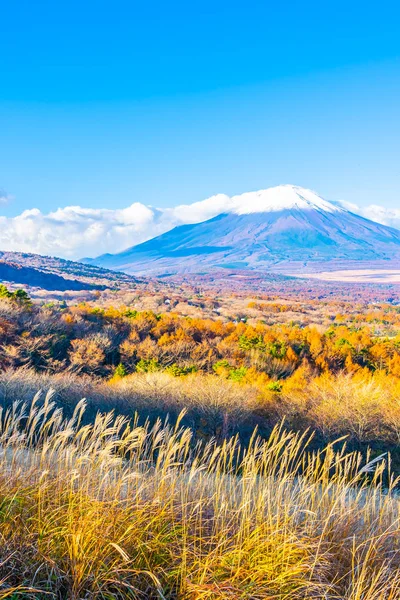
column 115, row 509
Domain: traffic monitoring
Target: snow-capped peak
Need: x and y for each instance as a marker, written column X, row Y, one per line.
column 281, row 197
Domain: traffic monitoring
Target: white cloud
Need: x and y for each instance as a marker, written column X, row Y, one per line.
column 4, row 197
column 75, row 232
column 201, row 211
column 375, row 212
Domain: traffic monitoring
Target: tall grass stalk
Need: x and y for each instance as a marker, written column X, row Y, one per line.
column 119, row 509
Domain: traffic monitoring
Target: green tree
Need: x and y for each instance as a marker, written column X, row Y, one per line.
column 120, row 371
column 22, row 298
column 5, row 292
column 148, row 365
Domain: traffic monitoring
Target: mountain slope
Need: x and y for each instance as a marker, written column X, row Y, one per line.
column 51, row 273
column 282, row 229
column 18, row 274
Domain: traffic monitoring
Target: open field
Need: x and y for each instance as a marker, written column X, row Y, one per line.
column 356, row 276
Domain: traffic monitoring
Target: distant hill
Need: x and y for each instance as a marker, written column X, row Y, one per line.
column 18, row 274
column 56, row 274
column 283, row 229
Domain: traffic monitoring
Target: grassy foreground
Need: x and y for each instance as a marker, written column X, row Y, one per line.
column 118, row 510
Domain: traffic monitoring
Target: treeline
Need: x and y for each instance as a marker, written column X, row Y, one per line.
column 341, row 380
column 118, row 341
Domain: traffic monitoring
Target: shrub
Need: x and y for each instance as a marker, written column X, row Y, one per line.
column 148, row 365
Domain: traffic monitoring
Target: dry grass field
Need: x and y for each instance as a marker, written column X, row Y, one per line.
column 115, row 509
column 357, row 276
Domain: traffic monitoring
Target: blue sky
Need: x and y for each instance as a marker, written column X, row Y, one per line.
column 107, row 103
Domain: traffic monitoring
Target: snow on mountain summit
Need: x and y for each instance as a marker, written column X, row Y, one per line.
column 281, row 197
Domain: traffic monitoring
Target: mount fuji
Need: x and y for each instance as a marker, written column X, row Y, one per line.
column 282, row 229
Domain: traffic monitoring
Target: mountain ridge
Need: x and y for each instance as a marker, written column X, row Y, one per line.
column 52, row 273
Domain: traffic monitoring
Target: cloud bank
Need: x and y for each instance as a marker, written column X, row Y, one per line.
column 74, row 232
column 375, row 212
